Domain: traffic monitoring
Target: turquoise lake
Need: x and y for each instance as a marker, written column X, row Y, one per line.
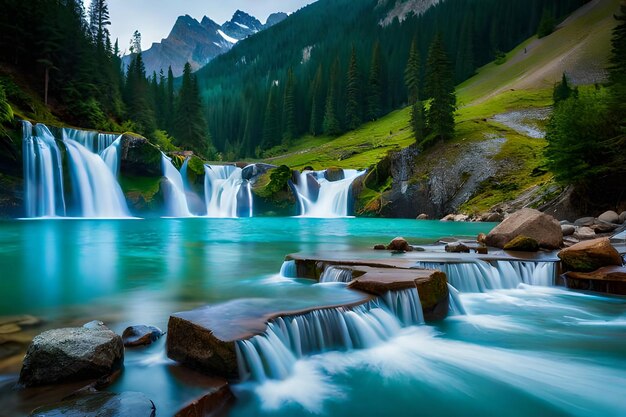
column 542, row 351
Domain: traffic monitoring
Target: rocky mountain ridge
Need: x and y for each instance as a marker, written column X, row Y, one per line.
column 198, row 42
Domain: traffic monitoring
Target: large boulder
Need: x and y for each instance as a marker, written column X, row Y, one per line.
column 400, row 244
column 541, row 227
column 100, row 404
column 71, row 354
column 272, row 191
column 622, row 217
column 590, row 255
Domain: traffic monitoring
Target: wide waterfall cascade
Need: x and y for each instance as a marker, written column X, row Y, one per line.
column 481, row 276
column 325, row 199
column 334, row 274
column 272, row 354
column 92, row 161
column 93, row 181
column 175, row 199
column 43, row 172
column 405, row 305
column 227, row 194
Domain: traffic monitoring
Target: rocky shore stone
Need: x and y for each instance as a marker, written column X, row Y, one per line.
column 622, row 217
column 523, row 244
column 100, row 404
column 142, row 335
column 590, row 255
column 585, row 221
column 380, row 247
column 541, row 227
column 423, row 216
column 71, row 354
column 585, row 233
column 609, row 217
column 568, row 229
column 609, row 279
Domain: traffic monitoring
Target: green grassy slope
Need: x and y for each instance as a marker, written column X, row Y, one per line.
column 580, row 47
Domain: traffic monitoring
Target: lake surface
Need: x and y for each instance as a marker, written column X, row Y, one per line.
column 518, row 352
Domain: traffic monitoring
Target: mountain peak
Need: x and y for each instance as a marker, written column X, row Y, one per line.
column 242, row 25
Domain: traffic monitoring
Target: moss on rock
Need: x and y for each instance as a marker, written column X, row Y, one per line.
column 273, row 193
column 523, row 244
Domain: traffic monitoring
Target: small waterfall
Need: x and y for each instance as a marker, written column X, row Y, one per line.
column 456, row 305
column 272, row 354
column 95, row 142
column 175, row 199
column 323, row 198
column 227, row 194
column 481, row 276
column 111, row 156
column 333, row 274
column 288, row 269
column 43, row 172
column 94, row 184
column 405, row 305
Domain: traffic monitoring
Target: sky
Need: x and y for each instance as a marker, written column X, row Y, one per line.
column 155, row 18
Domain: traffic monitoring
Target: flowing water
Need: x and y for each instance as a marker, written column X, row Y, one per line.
column 227, row 194
column 521, row 348
column 319, row 197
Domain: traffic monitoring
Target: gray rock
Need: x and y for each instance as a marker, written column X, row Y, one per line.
column 585, row 221
column 565, row 222
column 457, row 247
column 622, row 217
column 100, row 404
column 71, row 354
column 568, row 229
column 95, row 325
column 141, row 335
column 423, row 216
column 585, row 233
column 603, row 227
column 609, row 217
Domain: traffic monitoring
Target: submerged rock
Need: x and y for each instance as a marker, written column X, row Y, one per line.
column 380, row 247
column 140, row 335
column 457, row 247
column 71, row 354
column 100, row 404
column 541, row 227
column 590, row 255
column 523, row 244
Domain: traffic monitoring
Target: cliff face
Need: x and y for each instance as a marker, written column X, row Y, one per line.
column 200, row 42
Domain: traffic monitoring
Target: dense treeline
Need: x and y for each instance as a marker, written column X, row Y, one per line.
column 332, row 66
column 67, row 52
column 587, row 132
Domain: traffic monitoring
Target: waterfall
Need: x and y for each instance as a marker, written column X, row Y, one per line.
column 94, row 184
column 405, row 305
column 321, row 198
column 456, row 305
column 288, row 269
column 43, row 172
column 227, row 194
column 333, row 274
column 111, row 156
column 175, row 199
column 481, row 276
column 92, row 162
column 272, row 354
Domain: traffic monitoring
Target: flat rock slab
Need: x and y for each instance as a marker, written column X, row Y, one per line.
column 610, row 279
column 205, row 338
column 100, row 404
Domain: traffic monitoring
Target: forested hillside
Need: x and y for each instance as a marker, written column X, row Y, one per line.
column 294, row 79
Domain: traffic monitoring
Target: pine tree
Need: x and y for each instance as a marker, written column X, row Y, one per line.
column 316, row 101
column 191, row 131
column 440, row 87
column 331, row 125
column 169, row 101
column 547, row 24
column 98, row 22
column 353, row 105
column 271, row 129
column 374, row 86
column 135, row 43
column 412, row 79
column 562, row 91
column 617, row 69
column 289, row 111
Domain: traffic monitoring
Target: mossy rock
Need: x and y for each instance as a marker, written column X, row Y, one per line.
column 11, row 196
column 522, row 243
column 140, row 157
column 273, row 193
column 334, row 174
column 143, row 194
